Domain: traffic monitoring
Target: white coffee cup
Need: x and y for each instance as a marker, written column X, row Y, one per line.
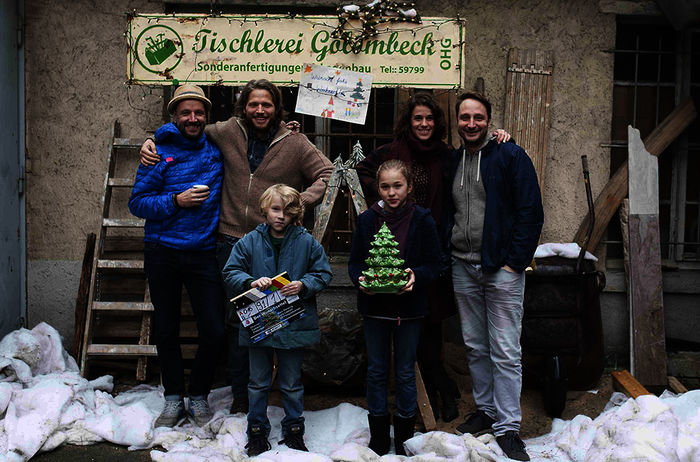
column 200, row 187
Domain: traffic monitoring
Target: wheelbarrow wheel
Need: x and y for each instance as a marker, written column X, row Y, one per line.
column 554, row 386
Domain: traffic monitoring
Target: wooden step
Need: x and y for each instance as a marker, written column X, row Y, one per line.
column 120, row 264
column 127, row 143
column 123, row 222
column 121, row 182
column 122, row 306
column 103, row 349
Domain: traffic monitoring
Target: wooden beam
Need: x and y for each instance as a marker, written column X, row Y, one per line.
column 616, row 189
column 624, row 382
column 426, row 411
column 675, row 385
column 81, row 302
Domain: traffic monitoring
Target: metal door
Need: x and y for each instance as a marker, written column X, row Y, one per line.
column 12, row 230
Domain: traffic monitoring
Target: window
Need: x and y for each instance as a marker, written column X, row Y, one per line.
column 656, row 68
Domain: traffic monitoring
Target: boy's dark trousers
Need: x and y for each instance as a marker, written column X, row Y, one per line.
column 167, row 269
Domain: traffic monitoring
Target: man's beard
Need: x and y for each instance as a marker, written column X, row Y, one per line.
column 183, row 130
column 271, row 124
column 479, row 142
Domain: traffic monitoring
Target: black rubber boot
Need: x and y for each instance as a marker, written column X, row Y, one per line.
column 379, row 440
column 404, row 428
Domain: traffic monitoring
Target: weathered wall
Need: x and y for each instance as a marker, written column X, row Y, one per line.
column 75, row 73
column 580, row 113
column 75, row 66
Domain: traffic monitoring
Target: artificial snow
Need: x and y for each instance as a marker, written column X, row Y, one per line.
column 45, row 403
column 555, row 249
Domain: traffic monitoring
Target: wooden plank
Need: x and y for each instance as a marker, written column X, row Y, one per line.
column 128, row 143
column 608, row 201
column 645, row 289
column 649, row 344
column 325, row 208
column 97, row 349
column 121, row 182
column 528, row 97
column 122, row 306
column 426, row 411
column 123, row 222
column 625, row 228
column 81, row 302
column 675, row 385
column 120, row 264
column 144, row 337
column 624, row 382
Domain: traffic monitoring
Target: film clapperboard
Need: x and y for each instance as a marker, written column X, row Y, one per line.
column 264, row 312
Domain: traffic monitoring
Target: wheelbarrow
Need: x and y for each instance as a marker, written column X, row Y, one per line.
column 562, row 336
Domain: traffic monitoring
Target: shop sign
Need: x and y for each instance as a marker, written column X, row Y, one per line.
column 231, row 50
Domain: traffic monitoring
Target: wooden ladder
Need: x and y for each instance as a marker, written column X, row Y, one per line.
column 119, row 312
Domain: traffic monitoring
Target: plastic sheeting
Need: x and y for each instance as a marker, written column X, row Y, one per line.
column 45, row 403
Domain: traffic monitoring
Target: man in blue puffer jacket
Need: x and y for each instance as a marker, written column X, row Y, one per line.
column 179, row 197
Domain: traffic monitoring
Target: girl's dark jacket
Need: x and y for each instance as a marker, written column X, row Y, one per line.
column 422, row 254
column 513, row 217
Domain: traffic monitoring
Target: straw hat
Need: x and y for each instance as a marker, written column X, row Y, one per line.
column 188, row 92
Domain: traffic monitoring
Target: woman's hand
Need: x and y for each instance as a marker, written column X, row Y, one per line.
column 148, row 153
column 409, row 285
column 293, row 288
column 262, row 283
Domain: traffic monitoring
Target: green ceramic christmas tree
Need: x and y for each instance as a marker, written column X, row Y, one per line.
column 384, row 273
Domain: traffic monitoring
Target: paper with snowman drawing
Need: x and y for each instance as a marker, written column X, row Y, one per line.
column 334, row 93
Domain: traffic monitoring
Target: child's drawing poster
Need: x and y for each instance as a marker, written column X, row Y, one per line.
column 334, row 93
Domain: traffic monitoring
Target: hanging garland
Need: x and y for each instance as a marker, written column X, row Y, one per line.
column 371, row 15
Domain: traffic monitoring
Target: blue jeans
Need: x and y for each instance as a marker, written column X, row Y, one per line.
column 378, row 337
column 167, row 269
column 237, row 368
column 490, row 309
column 288, row 379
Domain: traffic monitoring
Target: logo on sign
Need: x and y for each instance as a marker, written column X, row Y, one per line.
column 158, row 49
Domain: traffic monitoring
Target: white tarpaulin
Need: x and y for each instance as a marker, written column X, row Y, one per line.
column 45, row 403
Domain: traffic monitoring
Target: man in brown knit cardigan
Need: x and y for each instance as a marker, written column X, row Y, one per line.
column 258, row 151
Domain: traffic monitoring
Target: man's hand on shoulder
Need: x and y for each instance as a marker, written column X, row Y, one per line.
column 149, row 155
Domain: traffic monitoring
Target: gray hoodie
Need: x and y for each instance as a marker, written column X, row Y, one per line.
column 469, row 198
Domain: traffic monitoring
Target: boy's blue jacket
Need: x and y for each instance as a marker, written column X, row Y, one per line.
column 422, row 254
column 302, row 257
column 513, row 217
column 184, row 163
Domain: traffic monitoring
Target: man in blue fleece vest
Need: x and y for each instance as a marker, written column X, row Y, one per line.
column 180, row 197
column 497, row 222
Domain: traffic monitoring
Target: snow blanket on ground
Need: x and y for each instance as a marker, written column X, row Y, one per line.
column 45, row 403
